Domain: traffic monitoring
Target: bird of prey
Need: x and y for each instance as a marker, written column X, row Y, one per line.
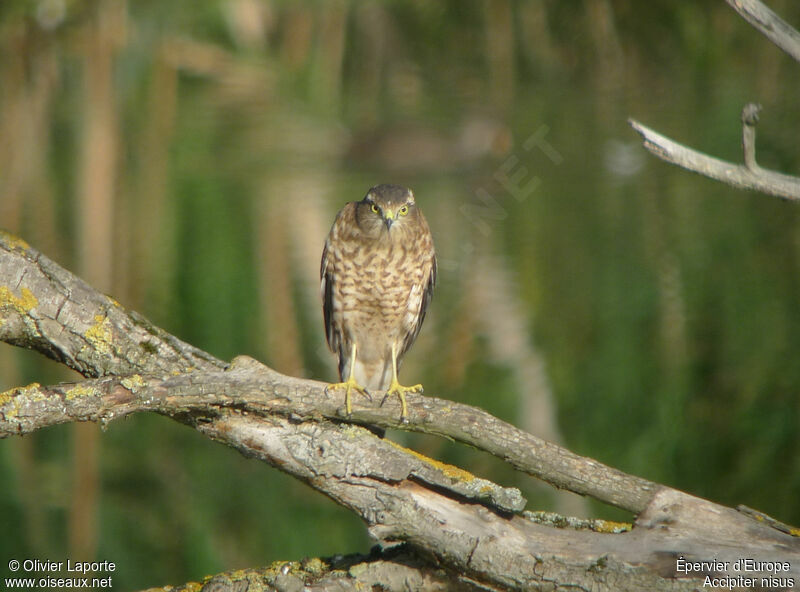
column 377, row 277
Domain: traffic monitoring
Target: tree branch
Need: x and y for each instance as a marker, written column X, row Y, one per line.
column 432, row 507
column 473, row 528
column 750, row 175
column 770, row 24
column 398, row 568
column 45, row 308
column 252, row 387
column 85, row 328
column 246, row 388
column 747, row 176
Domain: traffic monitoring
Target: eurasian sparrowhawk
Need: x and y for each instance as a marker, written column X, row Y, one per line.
column 377, row 276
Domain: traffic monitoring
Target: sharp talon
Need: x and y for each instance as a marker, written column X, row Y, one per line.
column 349, row 386
column 397, row 389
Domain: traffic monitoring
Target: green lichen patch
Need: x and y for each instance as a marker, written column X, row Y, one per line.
column 610, row 526
column 133, row 382
column 100, row 335
column 22, row 304
column 13, row 242
column 26, row 390
column 5, row 397
column 448, row 471
column 9, row 400
column 80, row 391
column 315, row 566
column 559, row 521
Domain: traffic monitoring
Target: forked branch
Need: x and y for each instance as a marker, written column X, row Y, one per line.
column 743, row 176
column 748, row 175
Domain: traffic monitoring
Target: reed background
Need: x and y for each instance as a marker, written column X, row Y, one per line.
column 188, row 157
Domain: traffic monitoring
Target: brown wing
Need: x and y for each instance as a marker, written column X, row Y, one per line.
column 327, row 280
column 429, row 282
column 327, row 276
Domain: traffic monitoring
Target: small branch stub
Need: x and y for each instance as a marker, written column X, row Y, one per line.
column 749, row 120
column 748, row 175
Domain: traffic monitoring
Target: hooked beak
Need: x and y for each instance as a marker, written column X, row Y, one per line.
column 388, row 218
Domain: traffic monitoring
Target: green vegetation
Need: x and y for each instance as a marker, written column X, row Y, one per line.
column 222, row 136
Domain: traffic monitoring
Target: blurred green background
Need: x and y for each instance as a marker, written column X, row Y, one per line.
column 188, row 157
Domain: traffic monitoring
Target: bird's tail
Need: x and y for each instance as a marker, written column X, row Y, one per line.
column 373, row 376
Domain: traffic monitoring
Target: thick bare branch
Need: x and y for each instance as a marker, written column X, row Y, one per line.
column 405, row 498
column 247, row 388
column 770, row 24
column 400, row 503
column 509, row 551
column 46, row 308
column 471, row 527
column 740, row 176
column 250, row 386
column 36, row 306
column 397, row 569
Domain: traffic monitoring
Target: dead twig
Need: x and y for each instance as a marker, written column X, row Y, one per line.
column 743, row 176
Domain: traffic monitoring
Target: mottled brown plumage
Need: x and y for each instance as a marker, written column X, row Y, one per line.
column 377, row 277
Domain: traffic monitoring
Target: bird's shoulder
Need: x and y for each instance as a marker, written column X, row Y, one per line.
column 345, row 223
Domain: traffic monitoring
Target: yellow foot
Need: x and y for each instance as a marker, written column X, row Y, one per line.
column 398, row 389
column 349, row 385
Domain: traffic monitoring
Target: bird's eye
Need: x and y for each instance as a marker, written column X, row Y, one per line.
column 375, row 208
column 403, row 210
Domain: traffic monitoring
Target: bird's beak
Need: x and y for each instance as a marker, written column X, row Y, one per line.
column 388, row 218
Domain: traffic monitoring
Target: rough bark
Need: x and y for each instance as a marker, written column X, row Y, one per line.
column 473, row 531
column 47, row 309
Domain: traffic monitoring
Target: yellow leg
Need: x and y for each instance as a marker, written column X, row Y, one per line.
column 395, row 388
column 349, row 385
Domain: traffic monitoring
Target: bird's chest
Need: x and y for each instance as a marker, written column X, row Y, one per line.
column 377, row 284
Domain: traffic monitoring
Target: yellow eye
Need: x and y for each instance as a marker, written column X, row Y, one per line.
column 403, row 210
column 374, row 208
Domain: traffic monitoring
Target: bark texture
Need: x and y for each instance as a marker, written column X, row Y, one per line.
column 435, row 524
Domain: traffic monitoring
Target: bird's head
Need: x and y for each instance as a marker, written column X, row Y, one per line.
column 386, row 209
